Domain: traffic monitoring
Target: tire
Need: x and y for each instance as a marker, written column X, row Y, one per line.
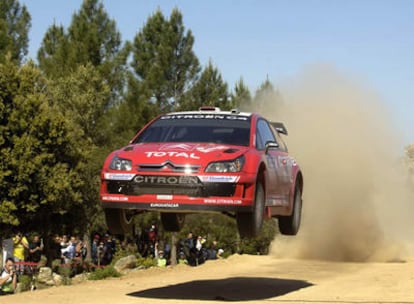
column 249, row 224
column 119, row 222
column 289, row 225
column 172, row 221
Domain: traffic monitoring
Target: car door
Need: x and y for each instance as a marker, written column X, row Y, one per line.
column 276, row 164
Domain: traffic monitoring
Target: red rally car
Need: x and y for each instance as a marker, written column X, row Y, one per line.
column 205, row 161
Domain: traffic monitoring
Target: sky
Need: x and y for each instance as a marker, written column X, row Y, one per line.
column 372, row 41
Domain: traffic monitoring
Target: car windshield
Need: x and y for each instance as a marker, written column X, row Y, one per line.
column 232, row 130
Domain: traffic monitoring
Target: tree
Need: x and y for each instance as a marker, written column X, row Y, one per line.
column 15, row 22
column 92, row 38
column 242, row 97
column 55, row 53
column 267, row 99
column 39, row 158
column 163, row 60
column 82, row 97
column 209, row 90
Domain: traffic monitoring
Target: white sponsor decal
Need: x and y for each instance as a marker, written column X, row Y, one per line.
column 222, row 201
column 175, row 146
column 211, row 148
column 276, row 202
column 205, row 116
column 114, row 198
column 164, row 197
column 119, row 176
column 219, row 179
column 160, row 205
column 172, row 154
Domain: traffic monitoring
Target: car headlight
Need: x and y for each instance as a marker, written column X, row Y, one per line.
column 226, row 166
column 120, row 164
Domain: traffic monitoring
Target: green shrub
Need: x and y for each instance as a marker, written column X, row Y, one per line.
column 146, row 262
column 65, row 271
column 25, row 282
column 103, row 273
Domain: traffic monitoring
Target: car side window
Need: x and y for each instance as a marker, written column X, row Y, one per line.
column 263, row 134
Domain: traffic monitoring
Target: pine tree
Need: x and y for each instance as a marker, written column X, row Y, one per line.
column 267, row 99
column 91, row 38
column 209, row 90
column 242, row 98
column 163, row 60
column 15, row 22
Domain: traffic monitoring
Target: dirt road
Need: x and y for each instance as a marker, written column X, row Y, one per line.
column 264, row 279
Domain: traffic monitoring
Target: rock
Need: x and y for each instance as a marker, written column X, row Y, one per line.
column 45, row 275
column 128, row 262
column 57, row 279
column 80, row 278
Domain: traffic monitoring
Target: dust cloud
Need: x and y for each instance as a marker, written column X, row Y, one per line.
column 357, row 206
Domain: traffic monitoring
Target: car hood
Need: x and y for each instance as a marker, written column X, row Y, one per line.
column 180, row 153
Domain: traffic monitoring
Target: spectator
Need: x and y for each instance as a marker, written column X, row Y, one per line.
column 8, row 277
column 200, row 242
column 109, row 249
column 152, row 240
column 80, row 250
column 20, row 245
column 220, row 253
column 189, row 244
column 68, row 253
column 101, row 253
column 35, row 249
column 94, row 249
column 212, row 251
column 53, row 249
column 161, row 260
column 182, row 260
column 64, row 241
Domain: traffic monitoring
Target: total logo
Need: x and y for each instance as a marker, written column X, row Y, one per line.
column 172, row 154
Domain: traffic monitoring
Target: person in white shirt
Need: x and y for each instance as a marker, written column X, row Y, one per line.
column 8, row 277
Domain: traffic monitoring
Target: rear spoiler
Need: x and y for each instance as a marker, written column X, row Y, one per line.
column 280, row 127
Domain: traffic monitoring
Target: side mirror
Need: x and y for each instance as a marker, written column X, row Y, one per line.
column 271, row 145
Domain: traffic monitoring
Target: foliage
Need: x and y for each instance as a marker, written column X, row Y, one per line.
column 91, row 38
column 103, row 273
column 164, row 62
column 65, row 270
column 242, row 98
column 267, row 100
column 25, row 282
column 14, row 29
column 39, row 159
column 261, row 243
column 147, row 262
column 209, row 90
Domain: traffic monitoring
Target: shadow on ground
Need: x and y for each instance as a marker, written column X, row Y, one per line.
column 232, row 289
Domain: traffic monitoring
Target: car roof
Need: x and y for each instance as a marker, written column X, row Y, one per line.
column 212, row 111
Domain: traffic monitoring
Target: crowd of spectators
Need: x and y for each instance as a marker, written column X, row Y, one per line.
column 192, row 250
column 29, row 250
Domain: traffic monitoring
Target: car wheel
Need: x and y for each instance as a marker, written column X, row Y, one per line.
column 119, row 221
column 250, row 223
column 172, row 221
column 289, row 225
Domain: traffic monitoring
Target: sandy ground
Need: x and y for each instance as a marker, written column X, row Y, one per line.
column 257, row 279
